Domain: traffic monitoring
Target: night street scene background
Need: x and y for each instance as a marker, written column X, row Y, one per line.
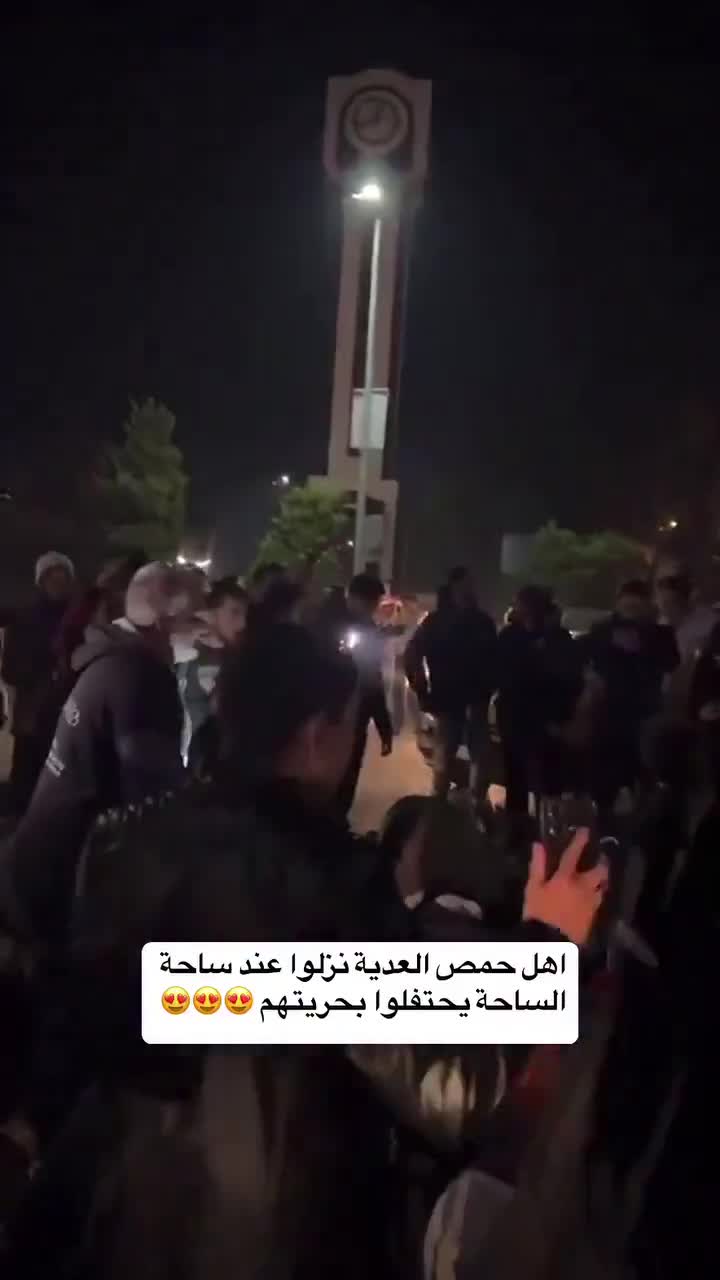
column 168, row 230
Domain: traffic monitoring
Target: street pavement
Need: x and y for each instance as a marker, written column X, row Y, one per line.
column 382, row 782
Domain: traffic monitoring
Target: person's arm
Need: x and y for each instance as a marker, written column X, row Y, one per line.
column 414, row 661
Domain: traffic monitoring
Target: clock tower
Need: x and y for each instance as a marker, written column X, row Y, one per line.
column 376, row 139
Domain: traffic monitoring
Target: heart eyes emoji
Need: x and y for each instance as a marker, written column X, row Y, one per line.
column 239, row 1000
column 175, row 1000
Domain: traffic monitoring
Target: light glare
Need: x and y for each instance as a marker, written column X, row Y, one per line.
column 371, row 191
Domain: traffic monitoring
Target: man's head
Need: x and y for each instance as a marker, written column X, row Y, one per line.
column 262, row 578
column 227, row 603
column 673, row 594
column 461, row 588
column 634, row 601
column 364, row 595
column 534, row 608
column 287, row 709
column 55, row 576
column 282, row 602
column 160, row 599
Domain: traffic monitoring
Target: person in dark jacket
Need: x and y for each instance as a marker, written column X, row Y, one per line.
column 540, row 681
column 633, row 656
column 30, row 668
column 364, row 641
column 285, row 1150
column 451, row 664
column 117, row 740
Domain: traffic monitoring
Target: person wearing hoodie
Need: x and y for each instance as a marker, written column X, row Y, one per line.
column 29, row 668
column 117, row 740
column 451, row 664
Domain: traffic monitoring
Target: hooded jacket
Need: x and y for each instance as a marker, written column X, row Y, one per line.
column 451, row 661
column 117, row 740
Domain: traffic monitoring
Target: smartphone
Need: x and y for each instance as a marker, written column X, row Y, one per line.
column 559, row 818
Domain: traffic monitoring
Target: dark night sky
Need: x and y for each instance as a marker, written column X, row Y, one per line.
column 167, row 230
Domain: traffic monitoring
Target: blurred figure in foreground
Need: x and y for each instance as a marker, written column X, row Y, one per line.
column 29, row 669
column 270, row 1137
column 451, row 663
column 364, row 642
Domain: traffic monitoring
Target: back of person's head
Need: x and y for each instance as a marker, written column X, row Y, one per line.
column 534, row 606
column 159, row 593
column 461, row 587
column 281, row 603
column 263, row 577
column 634, row 601
column 286, row 707
column 365, row 593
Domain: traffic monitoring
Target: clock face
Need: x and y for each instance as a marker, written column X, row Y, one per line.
column 376, row 121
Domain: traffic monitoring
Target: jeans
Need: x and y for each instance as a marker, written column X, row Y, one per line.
column 452, row 729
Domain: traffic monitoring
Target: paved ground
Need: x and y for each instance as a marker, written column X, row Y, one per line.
column 382, row 782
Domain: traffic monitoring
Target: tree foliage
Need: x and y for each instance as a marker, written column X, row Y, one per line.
column 584, row 570
column 143, row 483
column 308, row 531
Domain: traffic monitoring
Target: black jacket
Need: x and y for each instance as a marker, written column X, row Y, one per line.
column 117, row 741
column 367, row 652
column 287, row 1150
column 452, row 660
column 540, row 678
column 633, row 660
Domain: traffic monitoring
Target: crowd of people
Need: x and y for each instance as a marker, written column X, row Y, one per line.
column 186, row 756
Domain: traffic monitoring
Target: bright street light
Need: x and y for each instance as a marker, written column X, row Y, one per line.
column 370, row 191
column 282, row 482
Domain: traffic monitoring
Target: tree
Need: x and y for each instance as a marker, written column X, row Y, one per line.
column 308, row 531
column 584, row 570
column 143, row 484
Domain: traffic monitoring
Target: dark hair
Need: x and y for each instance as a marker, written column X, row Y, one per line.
column 277, row 603
column 269, row 687
column 537, row 600
column 679, row 583
column 365, row 586
column 225, row 589
column 264, row 572
column 636, row 587
column 458, row 574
